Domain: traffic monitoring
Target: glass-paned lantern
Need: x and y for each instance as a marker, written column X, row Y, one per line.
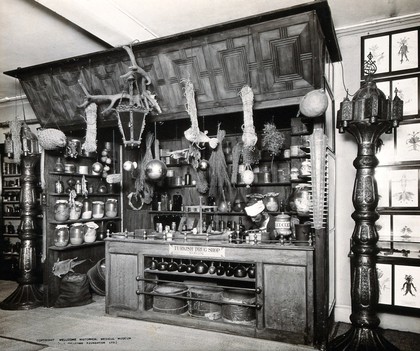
column 29, row 141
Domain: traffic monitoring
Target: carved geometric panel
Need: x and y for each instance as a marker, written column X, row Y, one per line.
column 286, row 55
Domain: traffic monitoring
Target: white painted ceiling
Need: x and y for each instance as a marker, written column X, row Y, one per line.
column 39, row 31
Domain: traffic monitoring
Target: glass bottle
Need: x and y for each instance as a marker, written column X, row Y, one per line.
column 187, row 177
column 59, row 167
column 111, row 208
column 86, row 208
column 78, row 187
column 177, row 202
column 59, row 186
column 76, row 233
column 61, row 235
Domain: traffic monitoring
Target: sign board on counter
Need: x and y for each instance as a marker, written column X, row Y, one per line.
column 197, row 251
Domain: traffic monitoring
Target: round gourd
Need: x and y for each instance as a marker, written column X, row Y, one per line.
column 314, row 103
column 248, row 176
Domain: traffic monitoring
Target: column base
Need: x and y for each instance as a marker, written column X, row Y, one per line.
column 361, row 339
column 25, row 297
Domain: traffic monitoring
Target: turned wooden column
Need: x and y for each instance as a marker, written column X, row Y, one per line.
column 26, row 295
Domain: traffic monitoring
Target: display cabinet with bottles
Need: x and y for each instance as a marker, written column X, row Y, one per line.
column 82, row 207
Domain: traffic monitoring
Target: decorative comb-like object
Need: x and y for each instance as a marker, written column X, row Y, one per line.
column 318, row 143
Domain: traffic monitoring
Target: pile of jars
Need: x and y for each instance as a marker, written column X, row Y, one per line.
column 85, row 209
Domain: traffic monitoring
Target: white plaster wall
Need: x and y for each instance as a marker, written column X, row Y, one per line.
column 346, row 151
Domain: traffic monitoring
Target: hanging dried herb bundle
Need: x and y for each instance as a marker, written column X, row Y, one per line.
column 273, row 139
column 236, row 155
column 202, row 183
column 250, row 155
column 219, row 177
column 142, row 187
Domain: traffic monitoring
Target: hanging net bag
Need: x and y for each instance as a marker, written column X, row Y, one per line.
column 51, row 139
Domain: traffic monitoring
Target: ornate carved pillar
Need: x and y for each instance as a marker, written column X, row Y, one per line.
column 26, row 295
column 366, row 117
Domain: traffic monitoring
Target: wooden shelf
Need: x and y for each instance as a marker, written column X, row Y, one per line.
column 266, row 184
column 81, row 220
column 11, row 175
column 11, row 188
column 5, row 202
column 92, row 194
column 75, row 174
column 206, row 275
column 11, row 217
column 73, row 247
column 11, row 235
column 10, row 254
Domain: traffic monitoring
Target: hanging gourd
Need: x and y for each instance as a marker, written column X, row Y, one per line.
column 314, row 103
column 248, row 176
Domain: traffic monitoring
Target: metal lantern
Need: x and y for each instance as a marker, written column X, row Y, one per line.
column 29, row 141
column 8, row 144
column 131, row 122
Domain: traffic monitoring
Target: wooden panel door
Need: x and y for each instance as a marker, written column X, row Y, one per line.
column 285, row 298
column 121, row 283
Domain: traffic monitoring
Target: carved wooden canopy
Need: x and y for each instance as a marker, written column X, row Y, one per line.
column 279, row 54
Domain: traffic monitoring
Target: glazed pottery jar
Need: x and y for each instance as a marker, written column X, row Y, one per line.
column 111, row 208
column 76, row 234
column 61, row 235
column 305, row 168
column 61, row 210
column 300, row 199
column 90, row 232
column 282, row 225
column 271, row 203
column 97, row 209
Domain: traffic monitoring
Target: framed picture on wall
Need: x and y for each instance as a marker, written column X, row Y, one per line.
column 384, row 272
column 407, row 89
column 408, row 142
column 406, row 284
column 404, row 188
column 382, row 181
column 405, row 50
column 378, row 47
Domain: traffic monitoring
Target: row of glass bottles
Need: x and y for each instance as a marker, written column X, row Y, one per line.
column 86, row 209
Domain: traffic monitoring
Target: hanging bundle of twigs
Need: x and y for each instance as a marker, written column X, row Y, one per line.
column 202, row 184
column 219, row 177
column 142, row 187
column 236, row 155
